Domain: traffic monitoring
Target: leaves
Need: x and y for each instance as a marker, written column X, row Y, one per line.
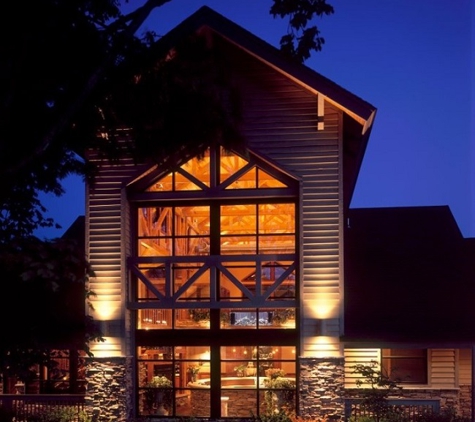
column 301, row 39
column 44, row 282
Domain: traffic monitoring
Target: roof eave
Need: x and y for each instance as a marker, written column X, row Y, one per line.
column 357, row 108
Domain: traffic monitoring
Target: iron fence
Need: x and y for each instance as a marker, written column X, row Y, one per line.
column 27, row 406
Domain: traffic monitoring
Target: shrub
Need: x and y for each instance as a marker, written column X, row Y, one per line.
column 60, row 414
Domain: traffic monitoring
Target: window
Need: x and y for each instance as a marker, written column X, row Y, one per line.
column 250, row 380
column 405, row 365
column 214, row 265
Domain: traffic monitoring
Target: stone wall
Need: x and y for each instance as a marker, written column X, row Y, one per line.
column 322, row 388
column 465, row 399
column 108, row 391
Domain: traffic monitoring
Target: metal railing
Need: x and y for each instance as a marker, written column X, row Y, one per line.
column 27, row 406
column 409, row 409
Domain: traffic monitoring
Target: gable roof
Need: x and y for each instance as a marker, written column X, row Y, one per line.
column 361, row 110
column 358, row 113
column 408, row 277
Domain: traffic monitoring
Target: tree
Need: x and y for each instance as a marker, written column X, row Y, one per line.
column 73, row 73
column 43, row 299
column 58, row 91
column 375, row 388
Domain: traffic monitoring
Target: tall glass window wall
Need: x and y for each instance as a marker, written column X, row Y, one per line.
column 216, row 251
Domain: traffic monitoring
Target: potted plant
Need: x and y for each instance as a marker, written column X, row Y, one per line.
column 284, row 391
column 281, row 316
column 201, row 316
column 193, row 371
column 158, row 395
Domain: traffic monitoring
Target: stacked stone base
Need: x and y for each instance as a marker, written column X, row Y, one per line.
column 108, row 394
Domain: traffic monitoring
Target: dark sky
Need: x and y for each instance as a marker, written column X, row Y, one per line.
column 412, row 59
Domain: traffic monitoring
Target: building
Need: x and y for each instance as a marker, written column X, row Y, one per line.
column 225, row 278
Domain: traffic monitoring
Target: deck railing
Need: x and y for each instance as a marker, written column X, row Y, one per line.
column 409, row 408
column 26, row 406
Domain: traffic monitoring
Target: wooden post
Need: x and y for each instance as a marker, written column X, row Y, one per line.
column 472, row 405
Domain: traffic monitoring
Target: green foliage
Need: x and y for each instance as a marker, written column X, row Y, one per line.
column 301, row 39
column 74, row 77
column 448, row 414
column 158, row 393
column 98, row 76
column 198, row 315
column 280, row 396
column 160, row 382
column 380, row 387
column 45, row 282
column 279, row 416
column 61, row 414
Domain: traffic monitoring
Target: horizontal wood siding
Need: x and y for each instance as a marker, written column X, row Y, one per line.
column 281, row 124
column 465, row 366
column 105, row 223
column 442, row 368
column 358, row 357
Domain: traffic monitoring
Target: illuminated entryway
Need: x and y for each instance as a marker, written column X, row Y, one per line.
column 214, row 282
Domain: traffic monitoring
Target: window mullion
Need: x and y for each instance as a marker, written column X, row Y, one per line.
column 215, row 229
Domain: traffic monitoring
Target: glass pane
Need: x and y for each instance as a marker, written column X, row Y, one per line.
column 230, row 163
column 163, row 185
column 272, row 244
column 199, row 167
column 154, row 319
column 243, row 318
column 183, row 183
column 265, row 180
column 155, row 222
column 183, row 402
column 238, row 245
column 156, row 276
column 280, row 318
column 246, row 181
column 154, row 246
column 232, row 289
column 193, row 353
column 194, row 362
column 193, row 280
column 192, row 318
column 239, row 401
column 421, row 353
column 238, row 219
column 277, row 218
column 405, row 365
column 200, row 402
column 200, row 317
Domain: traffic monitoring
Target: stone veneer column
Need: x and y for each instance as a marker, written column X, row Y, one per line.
column 109, row 387
column 322, row 387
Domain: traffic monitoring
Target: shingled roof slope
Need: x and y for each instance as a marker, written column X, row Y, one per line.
column 408, row 277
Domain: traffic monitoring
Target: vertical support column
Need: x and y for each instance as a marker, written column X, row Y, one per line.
column 322, row 387
column 108, row 395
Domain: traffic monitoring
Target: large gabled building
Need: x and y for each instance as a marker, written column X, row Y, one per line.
column 223, row 277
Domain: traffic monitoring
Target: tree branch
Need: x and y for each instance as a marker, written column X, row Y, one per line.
column 136, row 19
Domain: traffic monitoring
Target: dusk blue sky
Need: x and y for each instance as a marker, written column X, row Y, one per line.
column 413, row 60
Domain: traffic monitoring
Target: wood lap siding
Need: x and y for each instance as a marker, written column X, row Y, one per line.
column 358, row 356
column 465, row 367
column 105, row 229
column 442, row 368
column 281, row 124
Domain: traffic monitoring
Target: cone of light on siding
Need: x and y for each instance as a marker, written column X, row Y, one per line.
column 107, row 308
